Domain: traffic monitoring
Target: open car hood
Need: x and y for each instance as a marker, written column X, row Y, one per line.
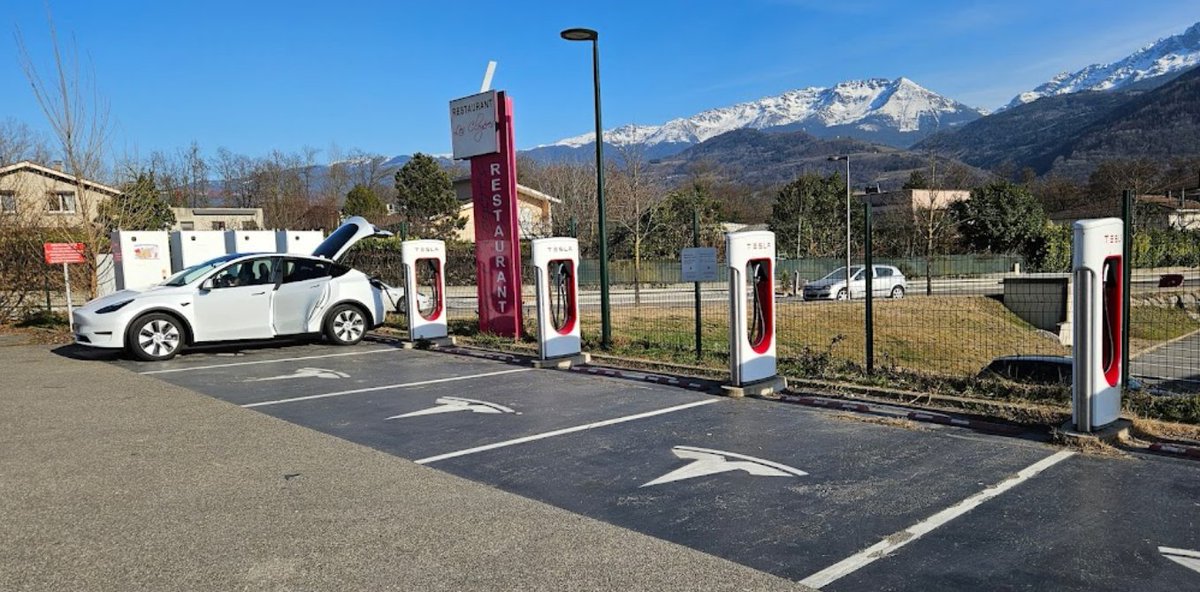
column 351, row 231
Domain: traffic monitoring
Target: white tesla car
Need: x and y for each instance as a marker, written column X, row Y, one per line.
column 244, row 296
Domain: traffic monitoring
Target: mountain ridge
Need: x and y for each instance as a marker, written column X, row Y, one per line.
column 1169, row 55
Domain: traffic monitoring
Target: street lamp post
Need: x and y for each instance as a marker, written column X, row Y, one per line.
column 846, row 157
column 579, row 34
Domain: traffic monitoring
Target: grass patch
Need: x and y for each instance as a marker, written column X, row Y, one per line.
column 942, row 335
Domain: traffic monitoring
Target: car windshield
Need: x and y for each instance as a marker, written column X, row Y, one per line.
column 195, row 272
column 840, row 273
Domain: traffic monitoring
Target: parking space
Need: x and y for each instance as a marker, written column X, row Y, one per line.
column 832, row 500
column 1098, row 524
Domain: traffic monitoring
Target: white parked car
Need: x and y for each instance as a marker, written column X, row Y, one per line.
column 888, row 281
column 244, row 296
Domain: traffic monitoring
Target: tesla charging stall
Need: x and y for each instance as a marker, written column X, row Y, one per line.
column 555, row 265
column 141, row 258
column 298, row 242
column 1097, row 275
column 250, row 241
column 193, row 247
column 751, row 257
column 424, row 264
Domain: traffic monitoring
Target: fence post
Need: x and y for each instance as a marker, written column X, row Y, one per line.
column 696, row 286
column 869, row 270
column 1127, row 269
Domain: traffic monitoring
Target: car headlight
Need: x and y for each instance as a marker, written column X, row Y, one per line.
column 114, row 307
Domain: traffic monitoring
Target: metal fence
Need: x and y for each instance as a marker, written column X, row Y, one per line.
column 949, row 316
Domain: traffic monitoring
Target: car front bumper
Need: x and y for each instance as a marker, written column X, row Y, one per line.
column 94, row 330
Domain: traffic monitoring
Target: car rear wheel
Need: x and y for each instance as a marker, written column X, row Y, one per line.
column 155, row 337
column 898, row 292
column 345, row 325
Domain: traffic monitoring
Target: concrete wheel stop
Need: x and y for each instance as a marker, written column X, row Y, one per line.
column 429, row 343
column 1112, row 434
column 563, row 362
column 770, row 387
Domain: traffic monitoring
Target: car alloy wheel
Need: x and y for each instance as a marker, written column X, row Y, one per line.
column 841, row 294
column 156, row 337
column 346, row 325
column 898, row 292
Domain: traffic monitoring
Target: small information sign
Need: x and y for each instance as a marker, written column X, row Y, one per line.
column 63, row 252
column 699, row 264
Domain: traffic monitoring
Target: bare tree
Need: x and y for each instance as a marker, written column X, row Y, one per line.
column 78, row 117
column 19, row 142
column 634, row 202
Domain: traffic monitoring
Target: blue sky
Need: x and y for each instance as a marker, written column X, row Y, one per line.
column 259, row 75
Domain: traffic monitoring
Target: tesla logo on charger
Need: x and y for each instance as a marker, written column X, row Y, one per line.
column 711, row 462
column 455, row 404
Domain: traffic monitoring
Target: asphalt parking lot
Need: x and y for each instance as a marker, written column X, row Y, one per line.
column 826, row 498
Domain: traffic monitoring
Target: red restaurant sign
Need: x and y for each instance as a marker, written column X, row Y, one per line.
column 497, row 240
column 63, row 252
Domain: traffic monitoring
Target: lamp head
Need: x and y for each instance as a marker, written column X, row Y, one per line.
column 580, row 34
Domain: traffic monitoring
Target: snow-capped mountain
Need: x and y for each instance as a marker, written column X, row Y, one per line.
column 1165, row 56
column 898, row 112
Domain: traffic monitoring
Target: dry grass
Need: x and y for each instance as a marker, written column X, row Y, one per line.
column 948, row 334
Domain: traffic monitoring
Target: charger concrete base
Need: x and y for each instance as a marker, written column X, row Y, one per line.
column 429, row 343
column 564, row 362
column 768, row 387
column 1112, row 434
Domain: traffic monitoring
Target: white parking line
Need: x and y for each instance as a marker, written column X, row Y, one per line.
column 232, row 364
column 384, row 388
column 888, row 545
column 570, row 430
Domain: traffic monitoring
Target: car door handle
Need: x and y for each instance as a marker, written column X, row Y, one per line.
column 259, row 293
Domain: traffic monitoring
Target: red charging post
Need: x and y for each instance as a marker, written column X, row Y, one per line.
column 482, row 131
column 65, row 253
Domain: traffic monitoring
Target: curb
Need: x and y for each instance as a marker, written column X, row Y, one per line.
column 1177, row 450
column 920, row 416
column 644, row 377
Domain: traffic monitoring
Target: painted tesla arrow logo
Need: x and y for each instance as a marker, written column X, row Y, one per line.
column 453, row 404
column 304, row 373
column 1188, row 559
column 710, row 462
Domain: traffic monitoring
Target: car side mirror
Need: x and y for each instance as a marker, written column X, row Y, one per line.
column 206, row 285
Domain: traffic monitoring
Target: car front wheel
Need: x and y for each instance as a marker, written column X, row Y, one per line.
column 345, row 325
column 155, row 337
column 898, row 292
column 841, row 294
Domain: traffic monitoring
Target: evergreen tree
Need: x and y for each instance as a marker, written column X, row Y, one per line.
column 1000, row 217
column 673, row 228
column 916, row 180
column 362, row 201
column 139, row 207
column 425, row 199
column 809, row 217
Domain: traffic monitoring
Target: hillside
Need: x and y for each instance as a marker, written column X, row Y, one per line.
column 760, row 158
column 1069, row 135
column 1030, row 135
column 1161, row 124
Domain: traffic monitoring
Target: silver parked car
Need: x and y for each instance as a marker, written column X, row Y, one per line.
column 888, row 281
